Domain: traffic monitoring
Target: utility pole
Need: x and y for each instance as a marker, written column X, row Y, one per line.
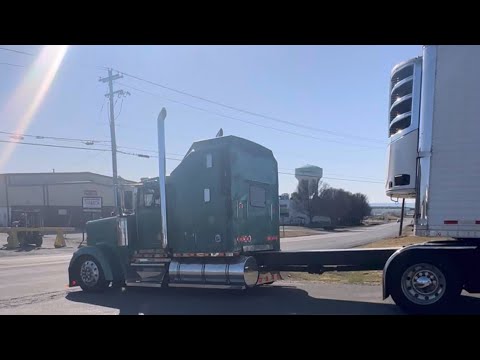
column 110, row 95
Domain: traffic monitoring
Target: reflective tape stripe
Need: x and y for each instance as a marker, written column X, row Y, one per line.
column 222, row 254
column 451, row 222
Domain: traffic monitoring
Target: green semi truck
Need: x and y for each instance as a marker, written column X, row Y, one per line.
column 199, row 226
column 212, row 223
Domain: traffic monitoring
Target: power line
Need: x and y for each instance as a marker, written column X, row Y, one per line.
column 334, row 178
column 120, row 111
column 145, row 156
column 53, row 137
column 98, row 142
column 79, row 148
column 17, row 51
column 246, row 121
column 148, row 156
column 341, row 175
column 9, row 64
column 330, row 132
column 233, row 108
column 334, row 133
column 149, row 150
column 101, row 109
column 82, row 148
column 191, row 106
column 53, row 146
column 31, row 54
column 123, row 152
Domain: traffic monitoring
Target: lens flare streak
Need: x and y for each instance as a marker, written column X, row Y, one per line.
column 29, row 95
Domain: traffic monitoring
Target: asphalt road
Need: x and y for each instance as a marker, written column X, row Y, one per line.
column 29, row 275
column 37, row 285
column 341, row 239
column 282, row 298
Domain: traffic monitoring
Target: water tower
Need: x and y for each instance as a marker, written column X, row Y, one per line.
column 309, row 173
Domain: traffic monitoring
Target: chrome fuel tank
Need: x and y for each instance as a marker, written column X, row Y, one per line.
column 241, row 272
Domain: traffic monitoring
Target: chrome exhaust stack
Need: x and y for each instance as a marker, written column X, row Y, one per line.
column 162, row 174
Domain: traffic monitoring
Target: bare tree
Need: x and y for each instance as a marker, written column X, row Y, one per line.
column 342, row 207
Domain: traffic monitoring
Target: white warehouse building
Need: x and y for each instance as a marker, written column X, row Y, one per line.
column 60, row 199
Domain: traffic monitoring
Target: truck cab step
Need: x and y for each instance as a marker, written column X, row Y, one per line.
column 146, row 273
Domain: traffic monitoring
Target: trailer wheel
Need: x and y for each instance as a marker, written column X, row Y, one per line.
column 424, row 286
column 90, row 275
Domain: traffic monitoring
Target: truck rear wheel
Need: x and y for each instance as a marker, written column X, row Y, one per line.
column 424, row 286
column 90, row 275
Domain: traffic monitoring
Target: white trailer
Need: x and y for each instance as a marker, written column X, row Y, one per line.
column 439, row 151
column 433, row 127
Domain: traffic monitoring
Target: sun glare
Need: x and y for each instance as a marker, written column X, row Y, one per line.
column 28, row 96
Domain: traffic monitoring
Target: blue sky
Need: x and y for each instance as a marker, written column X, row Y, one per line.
column 340, row 89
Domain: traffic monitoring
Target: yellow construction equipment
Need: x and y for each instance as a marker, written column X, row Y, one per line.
column 60, row 240
column 21, row 236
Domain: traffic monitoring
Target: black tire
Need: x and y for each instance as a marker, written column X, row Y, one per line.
column 90, row 275
column 39, row 241
column 424, row 285
column 22, row 240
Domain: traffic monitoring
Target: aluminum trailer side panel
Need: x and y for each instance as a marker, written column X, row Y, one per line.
column 453, row 182
column 351, row 259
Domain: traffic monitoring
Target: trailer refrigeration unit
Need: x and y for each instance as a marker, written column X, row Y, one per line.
column 214, row 221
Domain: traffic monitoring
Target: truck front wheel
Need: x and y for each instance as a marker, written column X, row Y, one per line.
column 90, row 275
column 424, row 286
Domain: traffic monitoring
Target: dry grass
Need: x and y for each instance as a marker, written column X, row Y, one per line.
column 360, row 277
column 397, row 242
column 357, row 277
column 295, row 231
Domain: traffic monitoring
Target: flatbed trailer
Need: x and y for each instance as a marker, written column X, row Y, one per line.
column 320, row 261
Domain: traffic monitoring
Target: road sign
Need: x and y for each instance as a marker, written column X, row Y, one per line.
column 284, row 212
column 92, row 204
